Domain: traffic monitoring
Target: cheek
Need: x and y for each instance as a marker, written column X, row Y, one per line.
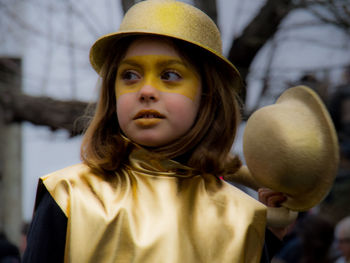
column 124, row 107
column 183, row 109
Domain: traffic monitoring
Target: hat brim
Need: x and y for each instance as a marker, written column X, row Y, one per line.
column 101, row 48
column 292, row 147
column 330, row 145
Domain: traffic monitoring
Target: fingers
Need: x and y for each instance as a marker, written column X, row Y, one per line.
column 271, row 198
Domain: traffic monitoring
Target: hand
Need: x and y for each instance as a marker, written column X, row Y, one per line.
column 273, row 199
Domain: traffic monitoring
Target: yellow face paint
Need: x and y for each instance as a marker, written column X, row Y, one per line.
column 164, row 73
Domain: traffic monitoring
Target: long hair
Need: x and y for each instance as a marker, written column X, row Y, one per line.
column 205, row 146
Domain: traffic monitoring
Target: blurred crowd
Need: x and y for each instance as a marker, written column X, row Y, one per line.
column 315, row 239
column 9, row 252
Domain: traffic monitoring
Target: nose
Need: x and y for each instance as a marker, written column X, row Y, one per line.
column 148, row 93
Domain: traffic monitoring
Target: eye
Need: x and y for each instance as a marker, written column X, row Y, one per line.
column 130, row 76
column 170, row 75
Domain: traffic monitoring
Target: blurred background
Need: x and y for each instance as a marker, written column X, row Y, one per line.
column 46, row 80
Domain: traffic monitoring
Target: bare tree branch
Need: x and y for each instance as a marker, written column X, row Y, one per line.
column 208, row 7
column 31, row 28
column 333, row 12
column 126, row 4
column 55, row 114
column 255, row 35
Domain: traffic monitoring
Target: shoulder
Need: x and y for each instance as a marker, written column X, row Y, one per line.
column 68, row 172
column 232, row 190
column 246, row 204
column 68, row 176
column 228, row 195
column 61, row 183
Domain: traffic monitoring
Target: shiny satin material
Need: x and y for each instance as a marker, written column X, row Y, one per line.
column 156, row 211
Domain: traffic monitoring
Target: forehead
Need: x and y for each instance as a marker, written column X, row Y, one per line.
column 151, row 46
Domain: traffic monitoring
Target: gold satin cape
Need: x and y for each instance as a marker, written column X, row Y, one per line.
column 155, row 211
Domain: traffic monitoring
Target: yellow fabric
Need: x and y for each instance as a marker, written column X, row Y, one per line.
column 156, row 211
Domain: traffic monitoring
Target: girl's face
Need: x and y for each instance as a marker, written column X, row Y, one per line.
column 157, row 91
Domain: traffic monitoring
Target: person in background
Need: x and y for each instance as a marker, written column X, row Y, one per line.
column 24, row 231
column 342, row 235
column 311, row 244
column 9, row 253
column 336, row 204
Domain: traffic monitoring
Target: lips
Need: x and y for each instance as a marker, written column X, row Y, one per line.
column 149, row 114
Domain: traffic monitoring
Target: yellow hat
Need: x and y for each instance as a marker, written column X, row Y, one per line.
column 164, row 18
column 292, row 147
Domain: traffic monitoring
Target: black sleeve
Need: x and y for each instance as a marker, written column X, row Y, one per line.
column 47, row 234
column 271, row 247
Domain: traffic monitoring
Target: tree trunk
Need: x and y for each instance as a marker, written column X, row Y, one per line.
column 10, row 159
column 255, row 35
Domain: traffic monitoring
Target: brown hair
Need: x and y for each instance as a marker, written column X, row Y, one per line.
column 206, row 145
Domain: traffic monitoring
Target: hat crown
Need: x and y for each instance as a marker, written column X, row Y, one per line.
column 174, row 19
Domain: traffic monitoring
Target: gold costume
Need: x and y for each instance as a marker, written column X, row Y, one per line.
column 156, row 211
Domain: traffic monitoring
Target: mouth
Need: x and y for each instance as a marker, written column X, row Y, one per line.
column 148, row 118
column 149, row 114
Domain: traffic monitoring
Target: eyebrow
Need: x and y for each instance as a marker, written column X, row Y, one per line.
column 172, row 62
column 167, row 62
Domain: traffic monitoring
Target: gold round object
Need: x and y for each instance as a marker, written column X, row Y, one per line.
column 167, row 18
column 292, row 147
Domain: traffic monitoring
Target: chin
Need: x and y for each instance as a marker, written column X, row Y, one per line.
column 150, row 142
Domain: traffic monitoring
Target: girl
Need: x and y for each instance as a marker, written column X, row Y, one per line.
column 148, row 189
